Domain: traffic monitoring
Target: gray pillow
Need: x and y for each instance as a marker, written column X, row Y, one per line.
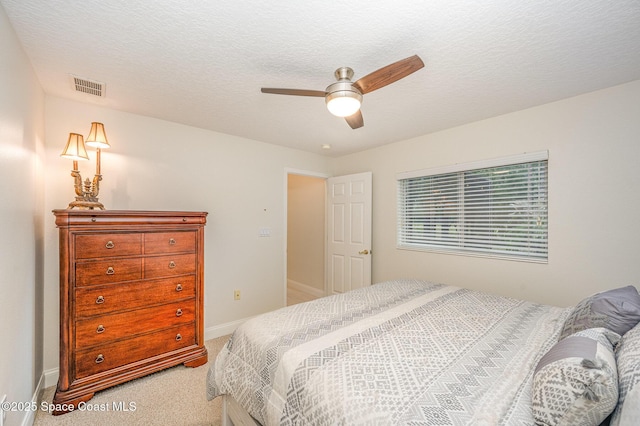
column 618, row 310
column 627, row 412
column 576, row 382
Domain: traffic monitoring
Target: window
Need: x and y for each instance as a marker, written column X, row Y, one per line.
column 495, row 208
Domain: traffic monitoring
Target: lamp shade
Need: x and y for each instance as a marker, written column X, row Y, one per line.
column 75, row 149
column 97, row 137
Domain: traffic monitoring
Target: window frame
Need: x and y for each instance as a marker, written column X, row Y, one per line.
column 538, row 255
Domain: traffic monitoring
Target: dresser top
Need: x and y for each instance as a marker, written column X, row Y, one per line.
column 70, row 217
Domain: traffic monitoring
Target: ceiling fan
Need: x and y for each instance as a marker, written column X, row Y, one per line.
column 343, row 97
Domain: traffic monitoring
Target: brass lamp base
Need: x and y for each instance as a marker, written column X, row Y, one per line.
column 86, row 203
column 86, row 192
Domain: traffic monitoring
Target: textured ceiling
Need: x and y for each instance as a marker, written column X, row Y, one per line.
column 203, row 63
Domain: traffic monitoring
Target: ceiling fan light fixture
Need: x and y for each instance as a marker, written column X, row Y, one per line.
column 343, row 99
column 343, row 103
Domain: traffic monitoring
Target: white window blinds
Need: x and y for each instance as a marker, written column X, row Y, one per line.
column 494, row 208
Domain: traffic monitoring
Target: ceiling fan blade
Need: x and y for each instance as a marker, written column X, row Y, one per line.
column 295, row 92
column 389, row 74
column 355, row 121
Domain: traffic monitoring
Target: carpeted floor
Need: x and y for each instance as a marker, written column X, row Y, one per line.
column 176, row 396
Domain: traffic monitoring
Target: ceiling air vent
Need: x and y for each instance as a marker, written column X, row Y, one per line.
column 84, row 85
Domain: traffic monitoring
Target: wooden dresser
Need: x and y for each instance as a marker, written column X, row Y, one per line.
column 131, row 297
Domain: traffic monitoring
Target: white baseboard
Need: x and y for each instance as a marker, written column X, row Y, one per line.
column 30, row 415
column 50, row 377
column 222, row 329
column 305, row 288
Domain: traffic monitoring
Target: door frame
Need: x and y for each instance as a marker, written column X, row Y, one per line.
column 291, row 171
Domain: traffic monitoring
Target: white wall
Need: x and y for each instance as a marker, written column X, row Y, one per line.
column 594, row 202
column 306, row 230
column 158, row 165
column 21, row 135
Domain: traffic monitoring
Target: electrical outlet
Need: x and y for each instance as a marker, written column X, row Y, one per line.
column 236, row 295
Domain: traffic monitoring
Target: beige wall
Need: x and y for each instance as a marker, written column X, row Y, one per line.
column 21, row 145
column 306, row 230
column 594, row 206
column 158, row 165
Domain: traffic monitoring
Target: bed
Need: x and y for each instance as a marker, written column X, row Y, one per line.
column 398, row 352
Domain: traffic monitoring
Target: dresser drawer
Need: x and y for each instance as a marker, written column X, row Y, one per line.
column 104, row 299
column 108, row 245
column 169, row 242
column 163, row 266
column 104, row 328
column 109, row 356
column 108, row 271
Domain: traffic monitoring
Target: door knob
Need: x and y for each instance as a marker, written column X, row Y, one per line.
column 365, row 251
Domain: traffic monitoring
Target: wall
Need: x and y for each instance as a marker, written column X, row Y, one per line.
column 21, row 135
column 594, row 207
column 306, row 231
column 158, row 165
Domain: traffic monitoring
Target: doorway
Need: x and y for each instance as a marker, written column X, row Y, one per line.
column 306, row 237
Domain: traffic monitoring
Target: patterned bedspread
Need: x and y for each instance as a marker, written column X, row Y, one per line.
column 401, row 352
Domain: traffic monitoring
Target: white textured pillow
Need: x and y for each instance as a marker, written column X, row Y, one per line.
column 576, row 382
column 627, row 412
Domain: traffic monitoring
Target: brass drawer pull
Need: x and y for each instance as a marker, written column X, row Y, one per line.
column 179, row 287
column 109, row 245
column 99, row 358
column 172, row 242
column 100, row 300
column 179, row 313
column 178, row 337
column 100, row 329
column 172, row 264
column 110, row 270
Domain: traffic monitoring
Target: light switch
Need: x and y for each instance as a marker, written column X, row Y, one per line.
column 264, row 232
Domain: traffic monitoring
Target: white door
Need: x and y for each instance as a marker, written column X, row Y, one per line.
column 349, row 232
